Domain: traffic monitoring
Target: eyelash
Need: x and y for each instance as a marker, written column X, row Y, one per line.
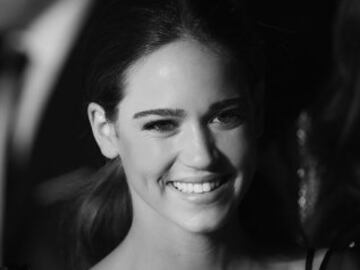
column 161, row 126
column 236, row 116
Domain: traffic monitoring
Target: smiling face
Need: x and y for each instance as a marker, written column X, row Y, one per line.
column 185, row 135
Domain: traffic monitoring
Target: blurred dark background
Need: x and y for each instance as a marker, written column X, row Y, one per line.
column 299, row 34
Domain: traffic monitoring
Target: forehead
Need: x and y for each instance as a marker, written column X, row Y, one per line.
column 179, row 60
column 182, row 70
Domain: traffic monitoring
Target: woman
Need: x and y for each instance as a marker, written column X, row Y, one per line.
column 175, row 107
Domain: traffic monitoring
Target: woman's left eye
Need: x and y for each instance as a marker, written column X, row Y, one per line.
column 229, row 118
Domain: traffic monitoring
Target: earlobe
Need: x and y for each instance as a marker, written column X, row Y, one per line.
column 103, row 131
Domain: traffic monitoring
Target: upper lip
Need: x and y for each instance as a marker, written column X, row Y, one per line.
column 201, row 179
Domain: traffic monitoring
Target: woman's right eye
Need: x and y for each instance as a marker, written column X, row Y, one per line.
column 161, row 126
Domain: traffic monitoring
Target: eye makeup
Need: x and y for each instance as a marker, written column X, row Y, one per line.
column 161, row 125
column 225, row 114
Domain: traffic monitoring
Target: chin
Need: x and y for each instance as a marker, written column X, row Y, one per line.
column 206, row 223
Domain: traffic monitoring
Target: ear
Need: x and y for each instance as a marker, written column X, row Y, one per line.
column 103, row 131
column 259, row 93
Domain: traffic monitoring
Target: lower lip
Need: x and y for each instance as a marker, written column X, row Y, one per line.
column 206, row 197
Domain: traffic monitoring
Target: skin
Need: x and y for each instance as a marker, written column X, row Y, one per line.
column 186, row 116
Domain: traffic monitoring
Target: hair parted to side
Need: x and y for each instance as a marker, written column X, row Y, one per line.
column 127, row 31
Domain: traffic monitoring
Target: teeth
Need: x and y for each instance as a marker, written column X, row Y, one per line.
column 196, row 188
column 206, row 187
column 189, row 188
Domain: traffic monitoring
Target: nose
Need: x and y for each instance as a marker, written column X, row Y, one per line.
column 198, row 148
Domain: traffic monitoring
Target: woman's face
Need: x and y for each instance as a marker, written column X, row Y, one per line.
column 185, row 136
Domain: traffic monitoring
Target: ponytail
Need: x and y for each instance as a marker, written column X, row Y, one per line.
column 103, row 215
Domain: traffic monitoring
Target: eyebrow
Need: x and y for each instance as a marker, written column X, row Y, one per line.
column 166, row 112
column 229, row 102
column 161, row 112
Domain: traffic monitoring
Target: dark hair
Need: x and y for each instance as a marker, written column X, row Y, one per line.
column 127, row 31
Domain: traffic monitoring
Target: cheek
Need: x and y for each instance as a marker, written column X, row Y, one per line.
column 240, row 151
column 238, row 146
column 144, row 159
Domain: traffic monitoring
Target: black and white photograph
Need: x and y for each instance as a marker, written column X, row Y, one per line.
column 179, row 135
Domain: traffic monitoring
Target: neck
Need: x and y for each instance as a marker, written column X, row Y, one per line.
column 154, row 243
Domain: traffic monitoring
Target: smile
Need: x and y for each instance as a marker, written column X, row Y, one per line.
column 197, row 188
column 203, row 189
